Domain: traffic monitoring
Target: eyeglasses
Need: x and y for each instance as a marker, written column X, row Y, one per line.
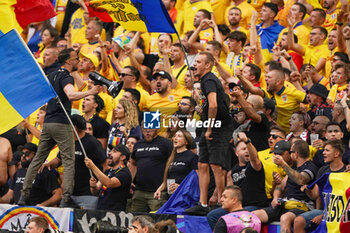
column 275, row 136
column 292, row 151
column 124, row 74
column 184, row 104
column 26, row 154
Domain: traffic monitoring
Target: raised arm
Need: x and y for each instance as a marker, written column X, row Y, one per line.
column 290, row 38
column 253, row 154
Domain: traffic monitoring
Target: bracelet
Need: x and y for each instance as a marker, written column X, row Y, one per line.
column 339, row 23
column 248, row 141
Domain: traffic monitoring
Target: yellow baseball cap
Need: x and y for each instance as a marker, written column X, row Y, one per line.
column 92, row 57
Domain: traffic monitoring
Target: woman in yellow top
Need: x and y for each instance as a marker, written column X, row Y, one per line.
column 49, row 37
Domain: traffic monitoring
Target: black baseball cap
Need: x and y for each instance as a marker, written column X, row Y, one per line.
column 122, row 149
column 281, row 147
column 163, row 74
column 29, row 146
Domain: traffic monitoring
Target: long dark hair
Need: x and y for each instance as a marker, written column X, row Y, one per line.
column 188, row 138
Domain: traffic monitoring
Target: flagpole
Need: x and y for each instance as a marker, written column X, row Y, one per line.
column 75, row 132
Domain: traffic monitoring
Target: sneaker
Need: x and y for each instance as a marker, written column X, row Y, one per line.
column 198, row 210
column 23, row 200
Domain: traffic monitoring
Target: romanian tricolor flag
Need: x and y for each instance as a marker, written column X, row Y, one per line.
column 335, row 194
column 135, row 15
column 23, row 85
column 19, row 13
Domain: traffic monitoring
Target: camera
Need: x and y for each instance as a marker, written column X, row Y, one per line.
column 113, row 87
column 106, row 227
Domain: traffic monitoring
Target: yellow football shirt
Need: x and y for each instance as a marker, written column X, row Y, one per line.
column 313, row 54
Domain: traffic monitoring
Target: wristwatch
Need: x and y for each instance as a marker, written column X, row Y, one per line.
column 248, row 141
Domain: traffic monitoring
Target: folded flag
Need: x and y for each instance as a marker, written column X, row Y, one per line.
column 23, row 85
column 136, row 15
column 335, row 194
column 19, row 13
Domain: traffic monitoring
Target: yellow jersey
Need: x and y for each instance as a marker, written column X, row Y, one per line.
column 328, row 66
column 167, row 106
column 301, row 31
column 219, row 6
column 180, row 74
column 265, row 157
column 336, row 90
column 190, row 10
column 287, row 102
column 313, row 54
column 77, row 27
column 331, row 19
column 247, row 12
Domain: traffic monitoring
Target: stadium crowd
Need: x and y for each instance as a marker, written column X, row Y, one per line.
column 255, row 98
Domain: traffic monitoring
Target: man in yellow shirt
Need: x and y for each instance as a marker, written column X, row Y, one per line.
column 165, row 100
column 298, row 11
column 316, row 52
column 247, row 12
column 235, row 42
column 277, row 137
column 77, row 26
column 317, row 17
column 234, row 18
column 93, row 28
column 331, row 14
column 190, row 8
column 177, row 56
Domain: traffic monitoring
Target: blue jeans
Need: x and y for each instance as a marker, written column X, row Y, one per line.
column 86, row 202
column 309, row 215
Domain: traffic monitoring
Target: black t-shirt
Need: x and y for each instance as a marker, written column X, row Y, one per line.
column 150, row 60
column 318, row 158
column 95, row 152
column 55, row 66
column 346, row 156
column 322, row 109
column 259, row 133
column 252, row 184
column 293, row 189
column 54, row 112
column 151, row 158
column 115, row 198
column 210, row 83
column 16, row 137
column 100, row 127
column 326, row 169
column 183, row 164
column 42, row 188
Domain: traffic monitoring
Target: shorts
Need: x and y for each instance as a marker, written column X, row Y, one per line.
column 215, row 151
column 274, row 213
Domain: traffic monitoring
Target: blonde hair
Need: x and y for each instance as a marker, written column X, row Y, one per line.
column 131, row 113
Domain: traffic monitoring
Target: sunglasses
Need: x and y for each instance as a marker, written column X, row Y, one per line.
column 275, row 136
column 124, row 75
column 26, row 154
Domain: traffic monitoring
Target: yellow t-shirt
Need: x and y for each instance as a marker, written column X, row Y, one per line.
column 190, row 10
column 287, row 102
column 226, row 67
column 77, row 27
column 89, row 47
column 301, row 32
column 283, row 13
column 336, row 90
column 314, row 53
column 60, row 10
column 167, row 106
column 331, row 19
column 234, row 61
column 269, row 167
column 219, row 6
column 180, row 76
column 206, row 35
column 247, row 12
column 143, row 100
column 108, row 107
column 328, row 67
